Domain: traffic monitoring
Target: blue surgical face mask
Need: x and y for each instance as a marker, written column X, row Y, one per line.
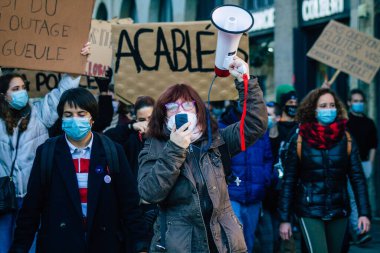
column 76, row 128
column 326, row 116
column 358, row 107
column 19, row 99
column 271, row 122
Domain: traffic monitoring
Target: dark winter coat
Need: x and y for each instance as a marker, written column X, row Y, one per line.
column 113, row 208
column 165, row 177
column 252, row 168
column 317, row 184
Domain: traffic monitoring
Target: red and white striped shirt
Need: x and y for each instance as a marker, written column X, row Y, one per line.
column 81, row 160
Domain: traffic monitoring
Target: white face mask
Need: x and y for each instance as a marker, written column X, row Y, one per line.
column 191, row 117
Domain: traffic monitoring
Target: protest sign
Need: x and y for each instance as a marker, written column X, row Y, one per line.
column 347, row 50
column 44, row 35
column 39, row 82
column 100, row 58
column 150, row 57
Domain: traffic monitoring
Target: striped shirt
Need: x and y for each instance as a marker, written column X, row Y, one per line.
column 81, row 160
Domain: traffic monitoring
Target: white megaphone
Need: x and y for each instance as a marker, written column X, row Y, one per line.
column 231, row 21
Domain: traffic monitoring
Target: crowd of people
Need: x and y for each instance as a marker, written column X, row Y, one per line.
column 89, row 177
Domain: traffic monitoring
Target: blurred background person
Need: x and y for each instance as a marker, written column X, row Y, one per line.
column 253, row 174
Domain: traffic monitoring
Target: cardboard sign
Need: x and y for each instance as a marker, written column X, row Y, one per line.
column 44, row 35
column 150, row 57
column 348, row 50
column 100, row 58
column 39, row 83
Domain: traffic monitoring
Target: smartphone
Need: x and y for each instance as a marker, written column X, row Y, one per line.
column 180, row 119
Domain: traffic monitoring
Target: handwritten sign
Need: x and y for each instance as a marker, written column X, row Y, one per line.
column 44, row 34
column 348, row 50
column 100, row 58
column 150, row 57
column 39, row 83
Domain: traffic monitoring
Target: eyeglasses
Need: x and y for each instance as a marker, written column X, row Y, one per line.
column 173, row 107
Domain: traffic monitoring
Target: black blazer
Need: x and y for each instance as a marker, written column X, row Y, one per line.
column 112, row 208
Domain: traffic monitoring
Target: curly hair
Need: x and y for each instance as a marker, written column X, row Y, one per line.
column 11, row 116
column 306, row 110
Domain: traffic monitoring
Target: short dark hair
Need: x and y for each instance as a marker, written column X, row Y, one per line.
column 277, row 109
column 79, row 97
column 357, row 91
column 143, row 101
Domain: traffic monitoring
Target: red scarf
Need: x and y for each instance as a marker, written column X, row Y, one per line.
column 323, row 137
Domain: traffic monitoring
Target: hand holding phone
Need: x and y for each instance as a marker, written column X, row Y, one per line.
column 180, row 120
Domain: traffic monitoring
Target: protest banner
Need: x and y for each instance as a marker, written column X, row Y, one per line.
column 150, row 57
column 39, row 82
column 347, row 50
column 100, row 58
column 44, row 35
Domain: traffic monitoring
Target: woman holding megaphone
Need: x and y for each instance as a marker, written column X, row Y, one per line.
column 23, row 127
column 183, row 171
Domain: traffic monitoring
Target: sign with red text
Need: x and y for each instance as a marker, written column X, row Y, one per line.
column 150, row 57
column 100, row 58
column 347, row 50
column 44, row 34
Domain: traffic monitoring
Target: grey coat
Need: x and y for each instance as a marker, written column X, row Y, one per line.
column 166, row 178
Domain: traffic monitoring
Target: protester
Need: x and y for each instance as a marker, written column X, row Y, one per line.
column 320, row 158
column 23, row 127
column 132, row 135
column 181, row 170
column 267, row 230
column 364, row 131
column 105, row 105
column 88, row 200
column 287, row 100
column 253, row 173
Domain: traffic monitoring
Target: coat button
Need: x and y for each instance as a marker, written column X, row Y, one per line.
column 194, row 191
column 62, row 225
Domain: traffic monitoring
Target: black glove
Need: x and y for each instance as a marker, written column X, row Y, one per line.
column 104, row 82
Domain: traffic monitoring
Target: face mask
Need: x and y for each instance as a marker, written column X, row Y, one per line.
column 76, row 128
column 191, row 117
column 115, row 105
column 326, row 116
column 19, row 99
column 271, row 122
column 291, row 110
column 358, row 107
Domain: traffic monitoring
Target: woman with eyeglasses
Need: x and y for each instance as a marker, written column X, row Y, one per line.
column 320, row 161
column 182, row 170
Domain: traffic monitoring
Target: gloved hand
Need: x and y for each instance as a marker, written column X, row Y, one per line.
column 104, row 82
column 238, row 68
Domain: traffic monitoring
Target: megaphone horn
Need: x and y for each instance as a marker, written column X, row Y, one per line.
column 231, row 21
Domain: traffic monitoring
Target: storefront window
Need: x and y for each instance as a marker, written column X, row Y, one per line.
column 258, row 4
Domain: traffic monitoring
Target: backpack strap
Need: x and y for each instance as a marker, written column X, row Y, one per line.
column 299, row 146
column 111, row 153
column 349, row 143
column 47, row 157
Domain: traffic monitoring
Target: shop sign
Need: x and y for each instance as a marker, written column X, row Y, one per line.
column 263, row 19
column 315, row 9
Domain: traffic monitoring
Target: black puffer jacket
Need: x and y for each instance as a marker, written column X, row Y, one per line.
column 316, row 186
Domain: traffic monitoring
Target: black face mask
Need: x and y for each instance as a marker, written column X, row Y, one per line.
column 291, row 110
